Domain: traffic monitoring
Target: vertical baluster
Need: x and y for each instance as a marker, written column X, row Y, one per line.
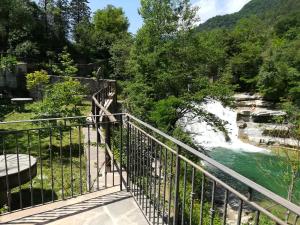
column 143, row 170
column 150, row 173
column 296, row 219
column 112, row 152
column 192, row 196
column 61, row 163
column 147, row 172
column 257, row 218
column 106, row 157
column 184, row 194
column 80, row 159
column 19, row 175
column 212, row 208
column 202, row 199
column 29, row 161
column 170, row 191
column 97, row 153
column 140, row 166
column 71, row 162
column 128, row 149
column 154, row 191
column 89, row 157
column 8, row 192
column 240, row 212
column 176, row 194
column 132, row 158
column 165, row 183
column 135, row 162
column 41, row 166
column 225, row 207
column 159, row 186
column 51, row 164
column 121, row 152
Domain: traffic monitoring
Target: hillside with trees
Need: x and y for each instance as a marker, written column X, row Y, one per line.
column 267, row 10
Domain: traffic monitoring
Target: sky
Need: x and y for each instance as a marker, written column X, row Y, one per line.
column 207, row 9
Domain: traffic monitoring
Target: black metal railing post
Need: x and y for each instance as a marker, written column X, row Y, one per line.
column 108, row 144
column 128, row 154
column 176, row 197
column 121, row 152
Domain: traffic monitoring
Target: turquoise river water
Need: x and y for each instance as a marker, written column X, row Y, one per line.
column 265, row 169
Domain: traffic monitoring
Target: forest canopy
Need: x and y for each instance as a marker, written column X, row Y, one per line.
column 170, row 63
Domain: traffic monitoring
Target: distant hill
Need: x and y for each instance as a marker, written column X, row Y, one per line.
column 267, row 10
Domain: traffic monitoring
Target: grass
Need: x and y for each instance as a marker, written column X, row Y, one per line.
column 55, row 159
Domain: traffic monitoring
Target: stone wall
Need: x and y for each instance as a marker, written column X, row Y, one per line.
column 14, row 83
column 91, row 83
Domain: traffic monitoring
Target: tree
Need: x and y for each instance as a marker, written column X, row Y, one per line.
column 46, row 6
column 167, row 63
column 279, row 76
column 61, row 21
column 61, row 100
column 245, row 45
column 110, row 27
column 120, row 52
column 110, row 21
column 79, row 11
column 19, row 19
column 37, row 81
column 84, row 44
column 66, row 66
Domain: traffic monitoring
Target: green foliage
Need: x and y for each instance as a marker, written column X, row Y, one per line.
column 79, row 11
column 66, row 65
column 166, row 113
column 120, row 52
column 8, row 64
column 245, row 45
column 61, row 100
column 110, row 20
column 279, row 75
column 36, row 79
column 268, row 10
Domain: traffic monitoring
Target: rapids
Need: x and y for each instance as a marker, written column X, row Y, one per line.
column 209, row 137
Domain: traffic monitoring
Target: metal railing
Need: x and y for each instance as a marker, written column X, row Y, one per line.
column 171, row 182
column 56, row 159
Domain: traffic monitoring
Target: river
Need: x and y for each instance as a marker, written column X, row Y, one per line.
column 258, row 164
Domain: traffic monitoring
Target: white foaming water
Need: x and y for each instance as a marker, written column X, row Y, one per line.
column 209, row 137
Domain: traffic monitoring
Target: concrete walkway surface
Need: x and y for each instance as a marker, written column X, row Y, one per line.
column 116, row 208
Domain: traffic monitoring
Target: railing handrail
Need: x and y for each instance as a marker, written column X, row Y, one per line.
column 249, row 183
column 54, row 119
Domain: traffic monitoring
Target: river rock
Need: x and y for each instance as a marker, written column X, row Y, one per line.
column 266, row 116
column 246, row 97
column 243, row 115
column 254, row 103
column 242, row 124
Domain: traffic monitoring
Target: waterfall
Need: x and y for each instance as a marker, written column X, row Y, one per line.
column 208, row 136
